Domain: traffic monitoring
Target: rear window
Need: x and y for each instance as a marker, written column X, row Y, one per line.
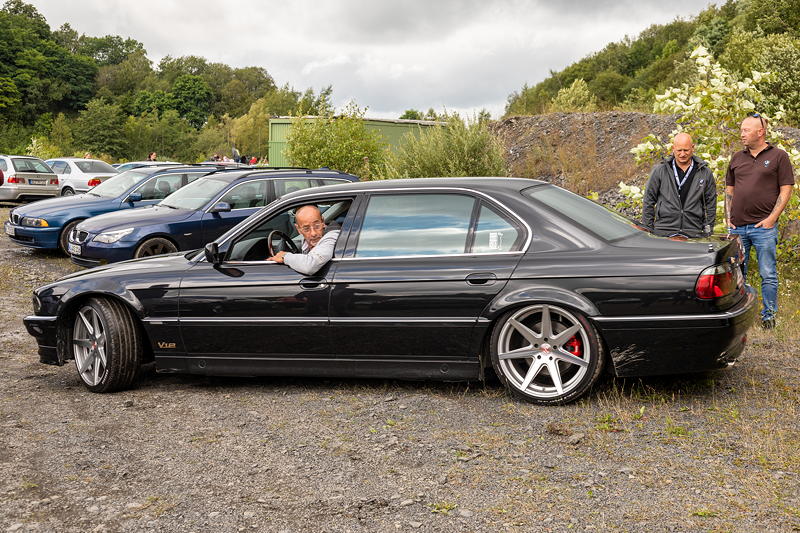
column 26, row 164
column 91, row 167
column 594, row 217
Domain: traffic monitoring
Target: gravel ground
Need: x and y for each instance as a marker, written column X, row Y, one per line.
column 711, row 452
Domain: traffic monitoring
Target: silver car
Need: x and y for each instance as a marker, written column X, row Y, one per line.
column 24, row 177
column 77, row 175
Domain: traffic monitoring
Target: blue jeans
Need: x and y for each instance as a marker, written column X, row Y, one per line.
column 765, row 242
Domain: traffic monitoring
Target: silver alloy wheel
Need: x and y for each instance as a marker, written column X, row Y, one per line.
column 532, row 354
column 89, row 345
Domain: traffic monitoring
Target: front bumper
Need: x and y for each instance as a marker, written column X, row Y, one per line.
column 93, row 254
column 648, row 346
column 45, row 330
column 33, row 237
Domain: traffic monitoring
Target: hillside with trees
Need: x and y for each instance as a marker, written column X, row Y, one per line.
column 743, row 35
column 62, row 92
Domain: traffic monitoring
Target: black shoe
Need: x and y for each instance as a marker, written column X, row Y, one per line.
column 768, row 323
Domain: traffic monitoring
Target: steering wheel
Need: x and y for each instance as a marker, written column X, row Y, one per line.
column 285, row 238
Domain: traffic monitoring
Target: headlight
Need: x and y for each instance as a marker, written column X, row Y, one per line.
column 113, row 236
column 35, row 222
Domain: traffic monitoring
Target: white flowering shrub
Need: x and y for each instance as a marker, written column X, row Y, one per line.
column 711, row 111
column 575, row 98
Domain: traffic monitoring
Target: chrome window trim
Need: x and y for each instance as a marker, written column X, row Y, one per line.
column 281, row 202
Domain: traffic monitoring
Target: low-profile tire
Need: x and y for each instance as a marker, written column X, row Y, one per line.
column 155, row 246
column 63, row 237
column 106, row 345
column 532, row 344
column 67, row 191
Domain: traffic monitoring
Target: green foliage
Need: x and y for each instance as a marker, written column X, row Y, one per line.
column 461, row 148
column 100, row 129
column 411, row 114
column 191, row 98
column 340, row 142
column 41, row 147
column 61, row 135
column 576, row 97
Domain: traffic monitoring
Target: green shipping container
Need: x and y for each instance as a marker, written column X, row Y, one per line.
column 391, row 130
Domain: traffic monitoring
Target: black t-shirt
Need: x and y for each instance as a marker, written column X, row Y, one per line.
column 683, row 190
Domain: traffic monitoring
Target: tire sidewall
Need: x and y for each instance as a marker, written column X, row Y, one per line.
column 594, row 370
column 63, row 237
column 148, row 242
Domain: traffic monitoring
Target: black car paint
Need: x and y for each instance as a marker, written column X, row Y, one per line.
column 415, row 317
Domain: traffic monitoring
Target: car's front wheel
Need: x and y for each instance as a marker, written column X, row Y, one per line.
column 106, row 345
column 546, row 354
column 155, row 246
column 63, row 238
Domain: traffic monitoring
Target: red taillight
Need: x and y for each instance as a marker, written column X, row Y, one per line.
column 53, row 181
column 14, row 179
column 94, row 182
column 716, row 282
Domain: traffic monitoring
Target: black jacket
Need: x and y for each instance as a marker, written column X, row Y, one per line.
column 662, row 212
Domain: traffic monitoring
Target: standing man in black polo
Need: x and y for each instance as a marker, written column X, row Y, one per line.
column 757, row 188
column 681, row 194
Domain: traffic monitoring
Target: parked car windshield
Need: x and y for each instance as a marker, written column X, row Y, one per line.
column 195, row 195
column 113, row 187
column 594, row 217
column 95, row 167
column 26, row 164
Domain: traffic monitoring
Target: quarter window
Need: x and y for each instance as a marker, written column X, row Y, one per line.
column 415, row 224
column 494, row 232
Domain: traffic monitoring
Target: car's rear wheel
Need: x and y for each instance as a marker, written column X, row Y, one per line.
column 67, row 191
column 155, row 246
column 106, row 345
column 546, row 354
column 63, row 238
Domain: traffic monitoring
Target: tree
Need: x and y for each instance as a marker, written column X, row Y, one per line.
column 411, row 114
column 341, row 142
column 147, row 101
column 191, row 97
column 61, row 134
column 576, row 97
column 109, row 49
column 100, row 129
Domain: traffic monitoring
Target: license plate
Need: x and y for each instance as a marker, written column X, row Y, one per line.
column 37, row 182
column 74, row 249
column 9, row 229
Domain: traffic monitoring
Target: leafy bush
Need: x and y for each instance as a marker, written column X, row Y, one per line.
column 460, row 148
column 341, row 142
column 576, row 97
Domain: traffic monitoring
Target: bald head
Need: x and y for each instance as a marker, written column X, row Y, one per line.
column 683, row 149
column 753, row 133
column 308, row 221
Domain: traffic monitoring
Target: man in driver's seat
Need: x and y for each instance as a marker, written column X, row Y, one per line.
column 318, row 242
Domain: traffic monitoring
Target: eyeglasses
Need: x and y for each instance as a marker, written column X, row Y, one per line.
column 308, row 227
column 759, row 117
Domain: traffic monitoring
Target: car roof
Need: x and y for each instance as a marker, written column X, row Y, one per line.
column 484, row 184
column 234, row 174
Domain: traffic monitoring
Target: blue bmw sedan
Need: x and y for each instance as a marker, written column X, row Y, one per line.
column 47, row 223
column 191, row 216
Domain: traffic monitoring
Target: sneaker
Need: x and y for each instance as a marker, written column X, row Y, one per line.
column 768, row 323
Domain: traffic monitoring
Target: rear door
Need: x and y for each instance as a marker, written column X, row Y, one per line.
column 245, row 198
column 417, row 274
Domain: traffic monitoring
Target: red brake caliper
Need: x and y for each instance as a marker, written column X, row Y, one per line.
column 574, row 346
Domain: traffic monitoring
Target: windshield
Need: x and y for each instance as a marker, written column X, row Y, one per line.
column 195, row 195
column 91, row 167
column 114, row 186
column 594, row 217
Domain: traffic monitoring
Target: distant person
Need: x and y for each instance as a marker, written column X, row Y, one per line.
column 87, row 155
column 243, row 159
column 152, row 156
column 758, row 186
column 681, row 194
column 253, row 160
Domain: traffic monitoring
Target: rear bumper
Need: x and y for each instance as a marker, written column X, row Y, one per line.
column 45, row 330
column 17, row 192
column 675, row 344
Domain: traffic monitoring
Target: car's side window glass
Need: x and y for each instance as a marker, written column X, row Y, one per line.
column 160, row 187
column 246, row 195
column 58, row 166
column 333, row 182
column 415, row 224
column 286, row 186
column 494, row 232
column 3, row 165
column 194, row 175
column 252, row 246
column 67, row 169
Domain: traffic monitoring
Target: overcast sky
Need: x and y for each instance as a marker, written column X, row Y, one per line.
column 385, row 55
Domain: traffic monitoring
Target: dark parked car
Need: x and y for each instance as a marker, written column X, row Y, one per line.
column 47, row 223
column 190, row 217
column 431, row 279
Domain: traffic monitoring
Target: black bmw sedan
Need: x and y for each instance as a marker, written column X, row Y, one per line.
column 431, row 279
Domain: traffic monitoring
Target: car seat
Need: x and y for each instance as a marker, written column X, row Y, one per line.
column 164, row 189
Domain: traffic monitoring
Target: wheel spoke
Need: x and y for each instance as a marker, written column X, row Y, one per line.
column 519, row 353
column 101, row 354
column 530, row 335
column 555, row 374
column 547, row 326
column 96, row 323
column 86, row 323
column 96, row 366
column 564, row 355
column 83, row 363
column 83, row 343
column 533, row 371
column 565, row 335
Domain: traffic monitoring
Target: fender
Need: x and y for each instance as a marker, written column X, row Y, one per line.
column 520, row 292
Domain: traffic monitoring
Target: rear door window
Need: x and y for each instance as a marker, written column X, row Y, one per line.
column 415, row 224
column 283, row 186
column 495, row 232
column 246, row 195
column 58, row 166
column 161, row 186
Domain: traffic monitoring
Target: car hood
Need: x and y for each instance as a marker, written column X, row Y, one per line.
column 169, row 262
column 59, row 205
column 138, row 217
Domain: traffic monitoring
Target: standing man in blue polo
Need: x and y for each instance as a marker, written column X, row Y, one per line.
column 757, row 188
